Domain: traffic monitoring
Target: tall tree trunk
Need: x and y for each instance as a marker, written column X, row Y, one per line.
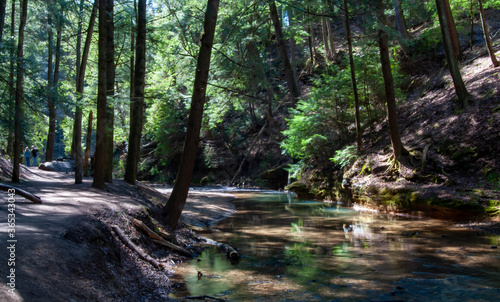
column 324, row 31
column 52, row 94
column 493, row 57
column 291, row 81
column 12, row 91
column 88, row 143
column 19, row 113
column 397, row 145
column 80, row 81
column 100, row 149
column 173, row 209
column 137, row 102
column 49, row 149
column 310, row 41
column 2, row 18
column 460, row 89
column 333, row 50
column 452, row 29
column 400, row 19
column 353, row 75
column 471, row 13
column 110, row 83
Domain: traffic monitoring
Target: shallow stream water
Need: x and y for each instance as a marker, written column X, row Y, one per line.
column 296, row 250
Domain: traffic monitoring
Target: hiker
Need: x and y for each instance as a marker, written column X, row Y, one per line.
column 27, row 156
column 34, row 155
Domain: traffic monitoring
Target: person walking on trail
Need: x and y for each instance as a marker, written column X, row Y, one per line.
column 27, row 156
column 34, row 155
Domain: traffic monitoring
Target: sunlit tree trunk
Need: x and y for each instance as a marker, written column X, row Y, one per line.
column 353, row 75
column 137, row 102
column 333, row 50
column 290, row 78
column 80, row 81
column 100, row 150
column 173, row 209
column 49, row 149
column 460, row 89
column 324, row 32
column 397, row 145
column 400, row 19
column 493, row 57
column 19, row 113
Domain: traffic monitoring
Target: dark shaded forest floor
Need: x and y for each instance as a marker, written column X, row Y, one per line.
column 66, row 250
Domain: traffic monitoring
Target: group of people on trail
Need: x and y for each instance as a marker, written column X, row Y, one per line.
column 31, row 154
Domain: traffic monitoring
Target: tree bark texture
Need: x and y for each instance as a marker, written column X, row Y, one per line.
column 324, row 31
column 353, row 76
column 489, row 46
column 460, row 89
column 12, row 90
column 19, row 113
column 49, row 149
column 397, row 145
column 88, row 143
column 290, row 78
column 100, row 149
column 80, row 83
column 400, row 19
column 137, row 102
column 110, row 91
column 173, row 209
column 2, row 17
column 452, row 29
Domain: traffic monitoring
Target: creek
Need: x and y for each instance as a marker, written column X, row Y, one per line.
column 298, row 250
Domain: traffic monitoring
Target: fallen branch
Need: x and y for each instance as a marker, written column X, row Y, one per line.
column 156, row 238
column 21, row 192
column 229, row 250
column 203, row 298
column 135, row 248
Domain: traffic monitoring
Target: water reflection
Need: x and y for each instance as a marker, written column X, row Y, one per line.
column 310, row 251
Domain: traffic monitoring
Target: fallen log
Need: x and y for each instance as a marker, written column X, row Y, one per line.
column 204, row 297
column 25, row 194
column 135, row 248
column 158, row 235
column 156, row 238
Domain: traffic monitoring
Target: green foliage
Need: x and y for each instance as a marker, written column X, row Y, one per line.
column 345, row 156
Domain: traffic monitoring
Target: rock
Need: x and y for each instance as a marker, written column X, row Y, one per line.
column 57, row 166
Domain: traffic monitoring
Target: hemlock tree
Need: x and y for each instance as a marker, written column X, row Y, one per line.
column 137, row 102
column 397, row 146
column 18, row 113
column 173, row 209
column 290, row 78
column 491, row 52
column 460, row 89
column 100, row 149
column 110, row 91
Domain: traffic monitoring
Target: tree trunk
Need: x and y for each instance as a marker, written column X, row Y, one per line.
column 471, row 13
column 100, row 149
column 452, row 29
column 400, row 19
column 353, row 76
column 49, row 149
column 173, row 209
column 324, row 31
column 460, row 89
column 137, row 102
column 493, row 57
column 2, row 18
column 80, row 81
column 12, row 91
column 291, row 81
column 19, row 113
column 110, row 90
column 88, row 143
column 333, row 50
column 397, row 145
column 310, row 41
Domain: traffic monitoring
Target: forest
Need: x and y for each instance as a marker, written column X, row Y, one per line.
column 388, row 105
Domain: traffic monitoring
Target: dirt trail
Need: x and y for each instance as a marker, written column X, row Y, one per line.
column 64, row 253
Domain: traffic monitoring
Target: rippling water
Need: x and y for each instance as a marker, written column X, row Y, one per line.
column 297, row 250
